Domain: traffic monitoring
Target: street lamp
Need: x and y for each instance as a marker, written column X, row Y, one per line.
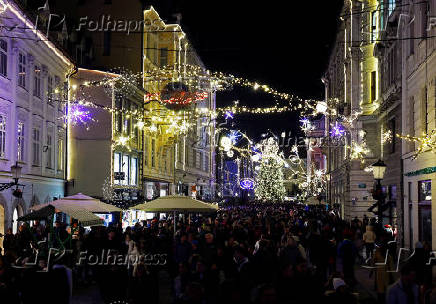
column 379, row 169
column 16, row 174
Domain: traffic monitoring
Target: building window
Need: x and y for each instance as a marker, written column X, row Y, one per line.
column 153, row 151
column 125, row 169
column 117, row 160
column 60, row 154
column 424, row 190
column 50, row 89
column 107, row 37
column 22, row 70
column 373, row 26
column 373, row 85
column 392, row 128
column 3, row 57
column 391, row 6
column 2, row 135
column 20, row 142
column 424, row 211
column 15, row 221
column 411, row 38
column 424, row 111
column 409, row 191
column 152, row 48
column 36, row 147
column 49, row 150
column 134, row 171
column 163, row 57
column 37, row 82
column 146, row 155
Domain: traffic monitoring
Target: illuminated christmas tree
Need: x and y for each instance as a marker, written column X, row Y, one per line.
column 269, row 178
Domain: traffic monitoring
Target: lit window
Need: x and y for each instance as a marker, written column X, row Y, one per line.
column 391, row 6
column 22, row 70
column 37, row 82
column 2, row 135
column 36, row 146
column 50, row 89
column 49, row 151
column 60, row 154
column 153, row 151
column 117, row 159
column 373, row 26
column 424, row 190
column 134, row 171
column 3, row 57
column 125, row 169
column 20, row 142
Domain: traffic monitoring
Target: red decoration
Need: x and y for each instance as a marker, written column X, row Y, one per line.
column 177, row 95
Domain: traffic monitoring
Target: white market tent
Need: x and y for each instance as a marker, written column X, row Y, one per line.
column 176, row 203
column 79, row 202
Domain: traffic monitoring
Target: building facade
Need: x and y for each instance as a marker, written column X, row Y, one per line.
column 105, row 153
column 33, row 97
column 352, row 89
column 389, row 114
column 184, row 163
column 418, row 107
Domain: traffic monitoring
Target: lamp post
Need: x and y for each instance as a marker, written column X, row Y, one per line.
column 379, row 169
column 16, row 172
column 16, row 175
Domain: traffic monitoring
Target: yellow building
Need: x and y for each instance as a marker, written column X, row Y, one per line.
column 352, row 78
column 174, row 162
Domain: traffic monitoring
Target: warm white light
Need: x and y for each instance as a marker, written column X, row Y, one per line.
column 321, row 107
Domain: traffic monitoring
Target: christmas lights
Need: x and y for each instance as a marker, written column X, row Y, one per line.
column 426, row 142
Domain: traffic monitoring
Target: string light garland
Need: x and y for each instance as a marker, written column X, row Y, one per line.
column 426, row 142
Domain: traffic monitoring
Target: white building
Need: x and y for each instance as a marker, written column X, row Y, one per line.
column 418, row 107
column 33, row 86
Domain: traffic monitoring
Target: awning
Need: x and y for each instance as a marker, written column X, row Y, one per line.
column 177, row 203
column 86, row 218
column 80, row 202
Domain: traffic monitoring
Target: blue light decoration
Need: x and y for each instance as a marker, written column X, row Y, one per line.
column 337, row 130
column 234, row 136
column 228, row 115
column 247, row 183
column 79, row 114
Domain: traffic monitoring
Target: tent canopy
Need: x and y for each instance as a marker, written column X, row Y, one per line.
column 174, row 203
column 86, row 218
column 79, row 202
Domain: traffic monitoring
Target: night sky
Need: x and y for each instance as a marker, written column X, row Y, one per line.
column 271, row 42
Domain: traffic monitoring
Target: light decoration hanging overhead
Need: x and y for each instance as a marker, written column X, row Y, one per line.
column 337, row 130
column 310, row 182
column 359, row 151
column 247, row 184
column 79, row 114
column 306, row 125
column 386, row 137
column 424, row 143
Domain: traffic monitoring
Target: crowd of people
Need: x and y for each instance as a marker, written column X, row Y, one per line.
column 257, row 253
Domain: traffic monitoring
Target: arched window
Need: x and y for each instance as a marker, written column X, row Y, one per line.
column 15, row 221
